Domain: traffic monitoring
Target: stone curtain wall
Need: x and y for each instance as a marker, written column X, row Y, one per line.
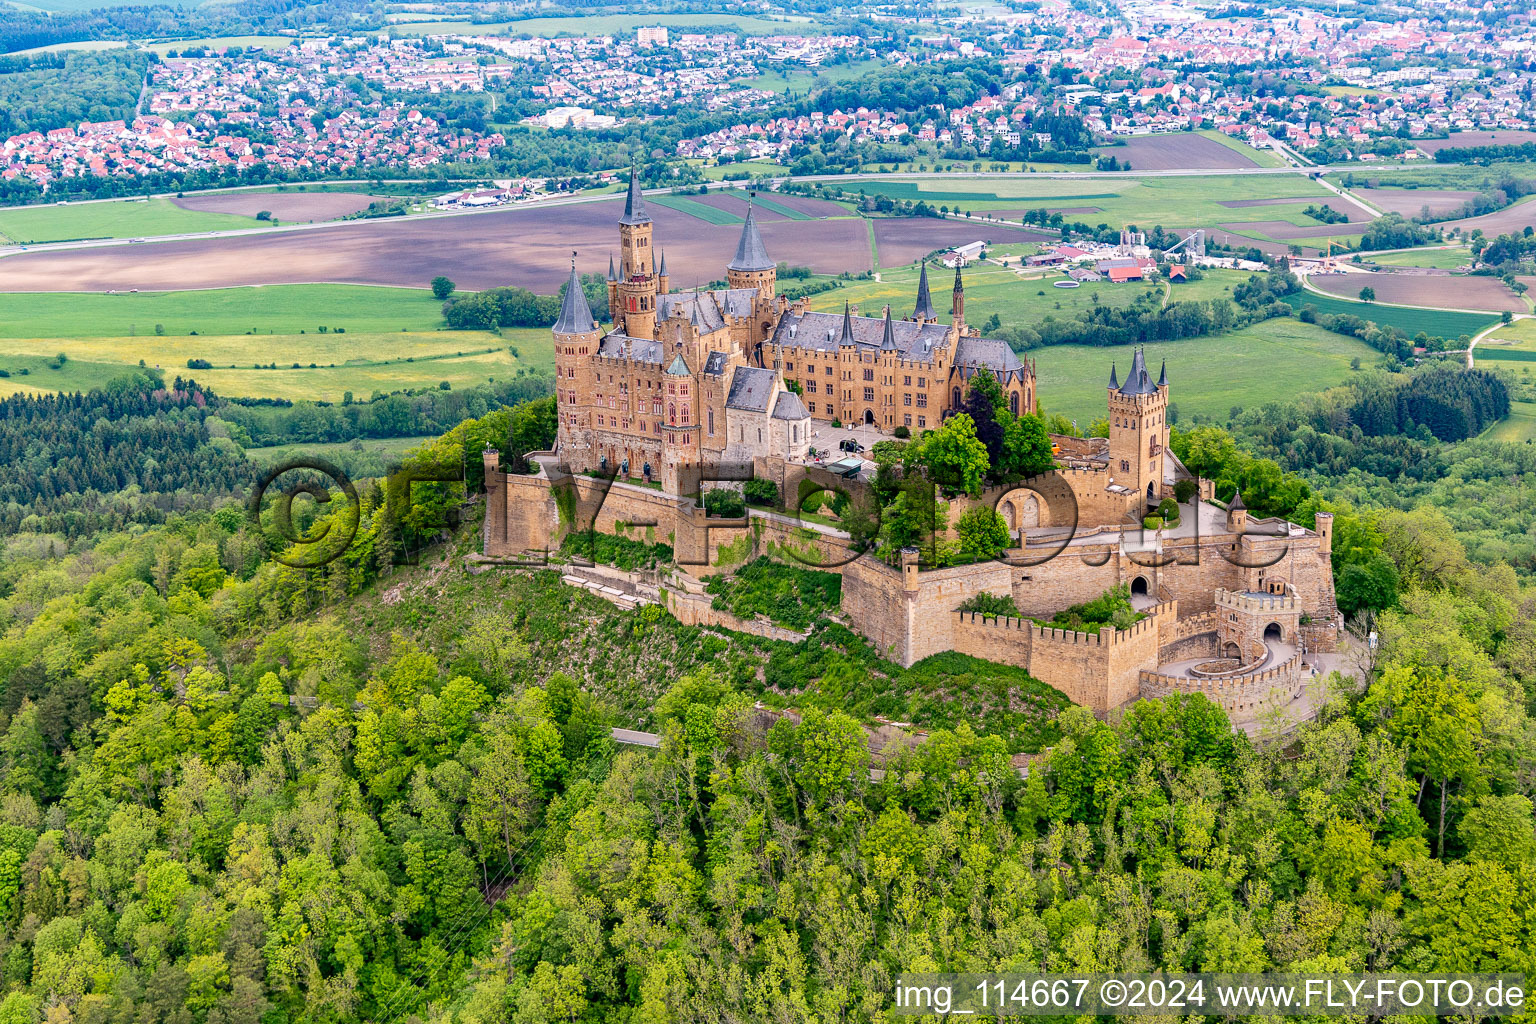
column 1247, row 693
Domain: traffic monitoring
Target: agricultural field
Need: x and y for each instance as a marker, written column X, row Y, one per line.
column 288, row 206
column 901, row 240
column 1514, row 342
column 1504, row 137
column 1267, row 362
column 375, row 339
column 1413, row 202
column 529, row 247
column 1173, row 202
column 700, row 207
column 1508, row 221
column 1439, row 291
column 756, row 168
column 1445, row 323
column 130, row 218
column 1434, row 258
column 1181, row 151
column 226, row 311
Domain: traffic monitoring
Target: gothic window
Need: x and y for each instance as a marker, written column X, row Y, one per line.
column 671, row 413
column 1125, row 467
column 711, row 418
column 1013, row 403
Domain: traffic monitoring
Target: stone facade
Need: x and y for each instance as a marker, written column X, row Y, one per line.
column 666, row 388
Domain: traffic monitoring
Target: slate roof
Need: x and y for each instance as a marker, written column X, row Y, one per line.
column 822, row 332
column 699, row 307
column 973, row 354
column 575, row 314
column 621, row 346
column 789, row 407
column 751, row 388
column 714, row 363
column 634, row 202
column 750, row 251
column 924, row 309
column 1138, row 381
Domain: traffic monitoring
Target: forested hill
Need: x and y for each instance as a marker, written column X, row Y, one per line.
column 464, row 844
column 139, row 448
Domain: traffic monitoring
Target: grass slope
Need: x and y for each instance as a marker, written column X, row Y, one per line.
column 120, row 219
column 1271, row 361
column 1518, row 427
column 1435, row 259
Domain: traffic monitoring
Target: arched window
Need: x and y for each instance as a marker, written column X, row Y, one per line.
column 1013, row 403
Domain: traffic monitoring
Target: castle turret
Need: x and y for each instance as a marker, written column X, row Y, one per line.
column 637, row 280
column 1237, row 513
column 1138, row 429
column 662, row 284
column 957, row 307
column 1324, row 523
column 924, row 313
column 752, row 268
column 576, row 339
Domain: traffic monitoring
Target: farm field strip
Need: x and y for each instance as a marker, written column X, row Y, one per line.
column 126, row 219
column 1516, row 428
column 1445, row 323
column 693, row 208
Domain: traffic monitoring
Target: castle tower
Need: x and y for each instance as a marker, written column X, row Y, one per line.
column 661, row 275
column 636, row 290
column 924, row 313
column 1237, row 513
column 613, row 292
column 752, row 268
column 957, row 308
column 576, row 339
column 1324, row 524
column 1138, row 429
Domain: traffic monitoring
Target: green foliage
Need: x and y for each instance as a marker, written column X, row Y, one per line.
column 724, row 503
column 983, row 534
column 1112, row 608
column 761, row 492
column 620, row 552
column 990, row 605
column 952, row 455
column 788, row 595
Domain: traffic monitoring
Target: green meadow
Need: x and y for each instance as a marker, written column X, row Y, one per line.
column 270, row 309
column 1436, row 259
column 693, row 208
column 1514, row 343
column 801, row 82
column 1518, row 427
column 1267, row 362
column 126, row 218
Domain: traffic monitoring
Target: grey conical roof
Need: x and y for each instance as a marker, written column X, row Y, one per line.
column 888, row 343
column 1162, row 376
column 663, row 271
column 847, row 336
column 750, row 251
column 1138, row 381
column 634, row 203
column 575, row 314
column 611, row 276
column 1236, row 504
column 1114, row 379
column 924, row 309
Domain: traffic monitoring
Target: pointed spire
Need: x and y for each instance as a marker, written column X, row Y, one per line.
column 888, row 342
column 634, row 203
column 751, row 255
column 611, row 276
column 957, row 307
column 847, row 338
column 663, row 271
column 1236, row 504
column 575, row 314
column 1138, row 381
column 924, row 310
column 1162, row 376
column 959, row 284
column 1114, row 381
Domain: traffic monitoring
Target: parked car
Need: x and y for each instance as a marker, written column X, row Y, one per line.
column 848, row 444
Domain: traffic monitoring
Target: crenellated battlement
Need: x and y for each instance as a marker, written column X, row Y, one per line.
column 1257, row 603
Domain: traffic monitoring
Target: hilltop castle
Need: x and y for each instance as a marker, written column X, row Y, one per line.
column 684, row 379
column 1230, row 606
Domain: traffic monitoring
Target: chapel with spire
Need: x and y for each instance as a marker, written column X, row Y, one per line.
column 682, row 379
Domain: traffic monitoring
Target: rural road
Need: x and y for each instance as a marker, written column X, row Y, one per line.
column 717, row 186
column 1472, row 345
